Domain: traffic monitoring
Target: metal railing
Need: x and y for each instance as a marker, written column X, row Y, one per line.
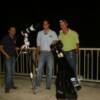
column 25, row 63
column 88, row 64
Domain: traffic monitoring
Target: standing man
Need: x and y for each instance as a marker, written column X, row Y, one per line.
column 44, row 54
column 70, row 40
column 7, row 47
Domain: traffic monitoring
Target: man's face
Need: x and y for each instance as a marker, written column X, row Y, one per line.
column 62, row 24
column 12, row 31
column 46, row 25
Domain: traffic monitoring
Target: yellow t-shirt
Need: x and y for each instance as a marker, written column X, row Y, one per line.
column 69, row 40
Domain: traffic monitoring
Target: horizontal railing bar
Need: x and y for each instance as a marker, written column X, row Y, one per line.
column 89, row 48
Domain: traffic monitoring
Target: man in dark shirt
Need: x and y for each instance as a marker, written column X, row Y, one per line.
column 7, row 47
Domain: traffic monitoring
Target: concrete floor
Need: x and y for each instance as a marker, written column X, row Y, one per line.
column 25, row 92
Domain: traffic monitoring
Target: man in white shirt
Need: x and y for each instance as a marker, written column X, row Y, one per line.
column 44, row 54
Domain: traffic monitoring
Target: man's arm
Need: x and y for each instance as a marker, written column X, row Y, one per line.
column 17, row 49
column 3, row 52
column 59, row 36
column 55, row 36
column 77, row 47
column 38, row 47
column 37, row 53
column 77, row 42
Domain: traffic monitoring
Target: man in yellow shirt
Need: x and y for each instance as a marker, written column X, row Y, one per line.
column 70, row 40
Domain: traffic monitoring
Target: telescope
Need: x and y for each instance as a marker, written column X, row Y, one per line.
column 26, row 35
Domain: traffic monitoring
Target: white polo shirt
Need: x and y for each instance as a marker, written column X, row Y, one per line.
column 44, row 40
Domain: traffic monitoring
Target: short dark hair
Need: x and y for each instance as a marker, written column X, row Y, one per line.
column 45, row 20
column 64, row 20
column 11, row 26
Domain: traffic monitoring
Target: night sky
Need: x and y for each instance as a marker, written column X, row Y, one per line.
column 83, row 18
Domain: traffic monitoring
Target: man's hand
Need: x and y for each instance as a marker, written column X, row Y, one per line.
column 77, row 49
column 37, row 54
column 37, row 58
column 17, row 48
column 7, row 56
column 4, row 52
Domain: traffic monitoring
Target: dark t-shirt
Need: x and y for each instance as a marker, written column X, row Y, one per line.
column 9, row 45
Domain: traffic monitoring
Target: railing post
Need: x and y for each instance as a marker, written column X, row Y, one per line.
column 92, row 63
column 84, row 64
column 97, row 65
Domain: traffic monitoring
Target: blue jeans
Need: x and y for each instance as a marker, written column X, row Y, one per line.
column 71, row 57
column 10, row 69
column 45, row 57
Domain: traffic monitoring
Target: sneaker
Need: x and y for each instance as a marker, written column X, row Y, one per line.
column 36, row 90
column 48, row 88
column 7, row 90
column 78, row 87
column 76, row 83
column 14, row 87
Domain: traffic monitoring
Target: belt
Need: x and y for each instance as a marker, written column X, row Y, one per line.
column 73, row 50
column 45, row 51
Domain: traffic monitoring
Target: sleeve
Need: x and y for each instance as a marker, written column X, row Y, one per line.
column 3, row 41
column 0, row 42
column 77, row 38
column 59, row 36
column 38, row 39
column 55, row 36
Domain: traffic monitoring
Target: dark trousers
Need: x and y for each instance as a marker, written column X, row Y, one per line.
column 71, row 58
column 10, row 69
